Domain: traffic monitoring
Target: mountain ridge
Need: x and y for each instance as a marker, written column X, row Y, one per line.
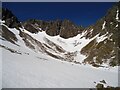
column 93, row 42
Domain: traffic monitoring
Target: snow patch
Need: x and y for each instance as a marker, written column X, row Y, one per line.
column 101, row 38
column 117, row 17
column 79, row 57
column 116, row 25
column 1, row 22
column 103, row 26
column 111, row 22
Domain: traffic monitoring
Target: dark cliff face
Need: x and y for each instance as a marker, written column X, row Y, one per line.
column 32, row 25
column 10, row 19
column 65, row 28
column 69, row 29
column 54, row 27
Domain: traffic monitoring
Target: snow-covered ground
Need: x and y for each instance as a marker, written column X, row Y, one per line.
column 73, row 44
column 41, row 71
column 37, row 70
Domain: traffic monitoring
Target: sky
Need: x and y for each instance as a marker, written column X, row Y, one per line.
column 81, row 13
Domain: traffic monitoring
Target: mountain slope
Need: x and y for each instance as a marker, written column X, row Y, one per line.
column 24, row 67
column 105, row 48
column 96, row 44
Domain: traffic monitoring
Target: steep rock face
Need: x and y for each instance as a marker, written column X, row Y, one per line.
column 54, row 27
column 10, row 19
column 65, row 28
column 8, row 35
column 68, row 29
column 34, row 26
column 104, row 48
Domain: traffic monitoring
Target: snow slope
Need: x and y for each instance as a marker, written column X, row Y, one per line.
column 74, row 44
column 41, row 71
column 25, row 68
column 36, row 70
column 70, row 44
